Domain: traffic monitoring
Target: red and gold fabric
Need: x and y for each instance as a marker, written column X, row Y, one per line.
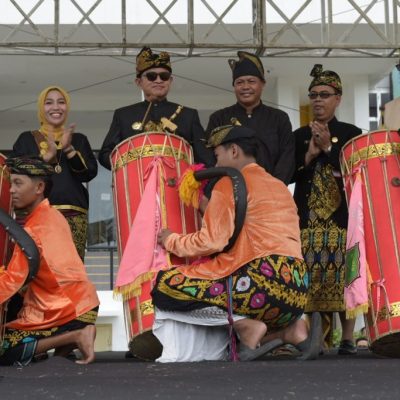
column 146, row 171
column 376, row 156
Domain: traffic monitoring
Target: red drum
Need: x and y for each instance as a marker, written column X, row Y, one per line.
column 5, row 204
column 377, row 156
column 129, row 161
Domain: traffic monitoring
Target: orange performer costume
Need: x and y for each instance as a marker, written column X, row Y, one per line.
column 61, row 291
column 278, row 233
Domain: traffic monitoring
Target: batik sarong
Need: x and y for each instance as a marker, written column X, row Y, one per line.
column 19, row 346
column 272, row 289
column 324, row 244
column 78, row 222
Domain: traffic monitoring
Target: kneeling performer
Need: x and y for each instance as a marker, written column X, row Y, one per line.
column 60, row 304
column 260, row 282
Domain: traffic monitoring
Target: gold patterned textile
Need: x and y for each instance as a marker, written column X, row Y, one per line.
column 229, row 133
column 272, row 289
column 152, row 126
column 376, row 150
column 89, row 317
column 19, row 345
column 326, row 78
column 78, row 222
column 29, row 166
column 325, row 195
column 165, row 123
column 324, row 244
column 248, row 64
column 153, row 150
column 146, row 59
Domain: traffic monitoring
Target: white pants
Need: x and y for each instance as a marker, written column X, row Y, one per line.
column 200, row 335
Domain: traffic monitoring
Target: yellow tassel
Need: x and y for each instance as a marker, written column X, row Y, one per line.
column 359, row 310
column 133, row 289
column 189, row 189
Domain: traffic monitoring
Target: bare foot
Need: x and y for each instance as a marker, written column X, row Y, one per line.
column 297, row 332
column 250, row 331
column 293, row 334
column 85, row 343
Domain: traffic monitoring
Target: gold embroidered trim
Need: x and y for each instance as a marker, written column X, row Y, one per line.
column 85, row 168
column 68, row 207
column 89, row 317
column 165, row 123
column 374, row 151
column 325, row 197
column 384, row 314
column 146, row 308
column 150, row 151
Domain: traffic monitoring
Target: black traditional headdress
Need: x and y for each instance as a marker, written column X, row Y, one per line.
column 146, row 59
column 228, row 133
column 31, row 166
column 327, row 78
column 248, row 64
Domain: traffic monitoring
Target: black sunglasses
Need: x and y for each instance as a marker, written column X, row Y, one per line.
column 152, row 76
column 322, row 95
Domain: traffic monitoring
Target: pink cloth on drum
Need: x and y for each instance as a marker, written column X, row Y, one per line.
column 143, row 256
column 356, row 280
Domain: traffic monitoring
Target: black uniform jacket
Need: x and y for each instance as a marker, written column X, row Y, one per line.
column 187, row 121
column 68, row 188
column 341, row 132
column 274, row 130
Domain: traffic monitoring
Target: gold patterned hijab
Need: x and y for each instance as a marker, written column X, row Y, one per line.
column 45, row 127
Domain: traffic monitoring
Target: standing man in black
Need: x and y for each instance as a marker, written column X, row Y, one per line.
column 155, row 113
column 272, row 126
column 321, row 204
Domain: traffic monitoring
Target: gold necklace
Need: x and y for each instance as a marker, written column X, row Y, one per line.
column 137, row 126
column 58, row 168
column 41, row 140
column 44, row 146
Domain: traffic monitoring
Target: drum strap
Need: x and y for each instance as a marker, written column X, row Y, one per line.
column 239, row 195
column 30, row 250
column 240, row 198
column 26, row 243
column 380, row 287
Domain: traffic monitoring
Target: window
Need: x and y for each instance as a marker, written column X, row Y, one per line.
column 101, row 230
column 377, row 99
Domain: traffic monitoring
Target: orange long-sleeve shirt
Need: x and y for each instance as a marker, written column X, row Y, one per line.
column 61, row 290
column 271, row 227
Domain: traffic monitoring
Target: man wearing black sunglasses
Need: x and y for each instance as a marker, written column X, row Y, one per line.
column 321, row 204
column 272, row 126
column 155, row 113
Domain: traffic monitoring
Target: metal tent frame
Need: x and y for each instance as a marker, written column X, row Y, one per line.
column 371, row 28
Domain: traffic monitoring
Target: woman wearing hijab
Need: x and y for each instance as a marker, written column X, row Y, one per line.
column 71, row 156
